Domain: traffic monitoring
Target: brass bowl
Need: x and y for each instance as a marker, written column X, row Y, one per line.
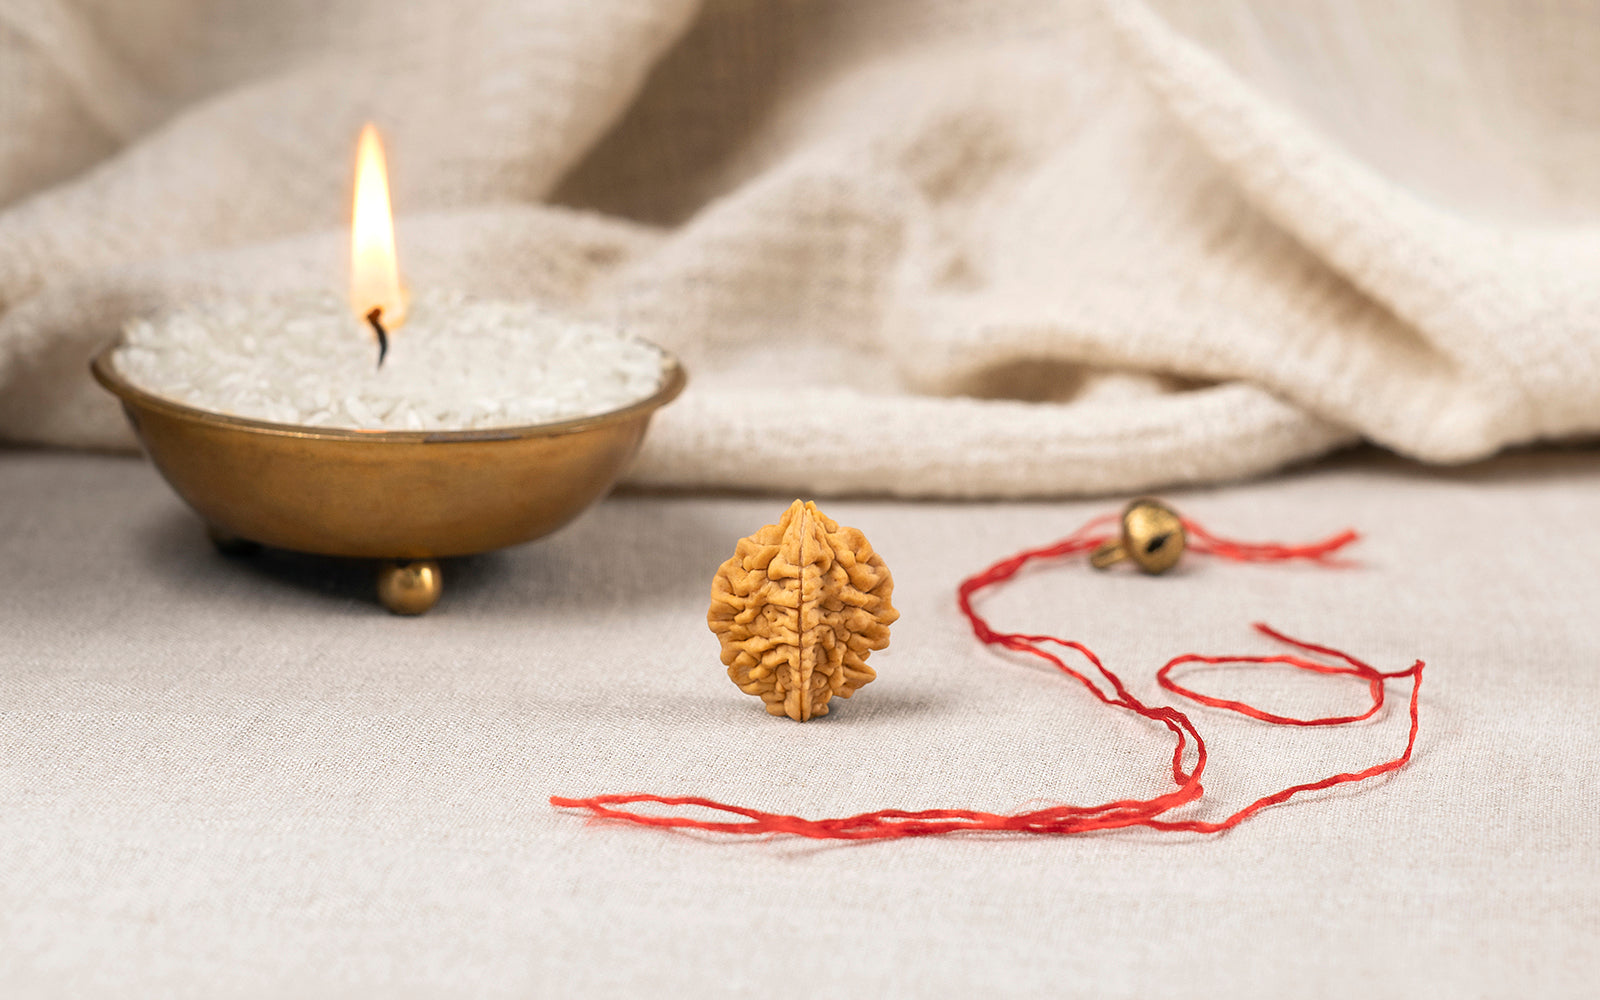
column 406, row 497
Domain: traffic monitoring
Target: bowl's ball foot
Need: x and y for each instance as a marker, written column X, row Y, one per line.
column 230, row 544
column 409, row 587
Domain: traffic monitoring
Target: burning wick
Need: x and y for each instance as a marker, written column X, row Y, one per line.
column 376, row 294
column 375, row 317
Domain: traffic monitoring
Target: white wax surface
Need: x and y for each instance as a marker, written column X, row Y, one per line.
column 453, row 365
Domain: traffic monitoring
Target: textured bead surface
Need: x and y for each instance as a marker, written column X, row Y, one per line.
column 798, row 609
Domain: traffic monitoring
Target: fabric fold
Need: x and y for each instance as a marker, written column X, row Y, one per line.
column 932, row 248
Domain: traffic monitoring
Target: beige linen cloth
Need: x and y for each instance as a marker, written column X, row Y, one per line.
column 242, row 779
column 919, row 247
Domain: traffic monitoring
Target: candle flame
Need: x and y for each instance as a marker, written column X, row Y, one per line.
column 374, row 270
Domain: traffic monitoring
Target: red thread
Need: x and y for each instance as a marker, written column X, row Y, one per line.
column 886, row 824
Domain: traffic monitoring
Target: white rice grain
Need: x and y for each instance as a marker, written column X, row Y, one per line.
column 454, row 364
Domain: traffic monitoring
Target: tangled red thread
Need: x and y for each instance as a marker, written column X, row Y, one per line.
column 888, row 824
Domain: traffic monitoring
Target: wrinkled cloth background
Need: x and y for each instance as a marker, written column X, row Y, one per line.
column 917, row 247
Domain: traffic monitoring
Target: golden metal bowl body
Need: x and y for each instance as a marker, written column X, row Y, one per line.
column 383, row 494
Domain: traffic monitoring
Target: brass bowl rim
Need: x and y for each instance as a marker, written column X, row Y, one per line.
column 105, row 372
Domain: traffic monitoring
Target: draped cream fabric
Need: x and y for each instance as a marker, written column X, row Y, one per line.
column 922, row 247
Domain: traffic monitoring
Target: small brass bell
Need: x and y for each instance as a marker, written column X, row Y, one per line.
column 1152, row 538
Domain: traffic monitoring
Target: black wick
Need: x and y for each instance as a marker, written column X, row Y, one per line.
column 375, row 317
